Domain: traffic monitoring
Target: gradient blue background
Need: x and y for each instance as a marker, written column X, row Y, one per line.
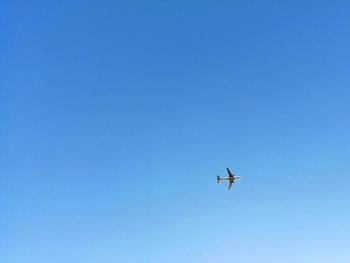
column 116, row 117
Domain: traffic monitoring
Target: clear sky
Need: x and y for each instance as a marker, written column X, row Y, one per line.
column 116, row 117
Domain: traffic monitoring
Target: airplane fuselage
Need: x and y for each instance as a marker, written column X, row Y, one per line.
column 230, row 179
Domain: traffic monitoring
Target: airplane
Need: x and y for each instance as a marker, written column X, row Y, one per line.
column 231, row 178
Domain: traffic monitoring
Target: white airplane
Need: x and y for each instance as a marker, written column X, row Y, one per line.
column 231, row 178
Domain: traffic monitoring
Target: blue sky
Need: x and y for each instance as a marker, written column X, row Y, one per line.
column 117, row 116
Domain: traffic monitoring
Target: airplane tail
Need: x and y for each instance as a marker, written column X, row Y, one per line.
column 218, row 178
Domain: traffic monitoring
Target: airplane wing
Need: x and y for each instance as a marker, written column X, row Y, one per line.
column 229, row 186
column 230, row 175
